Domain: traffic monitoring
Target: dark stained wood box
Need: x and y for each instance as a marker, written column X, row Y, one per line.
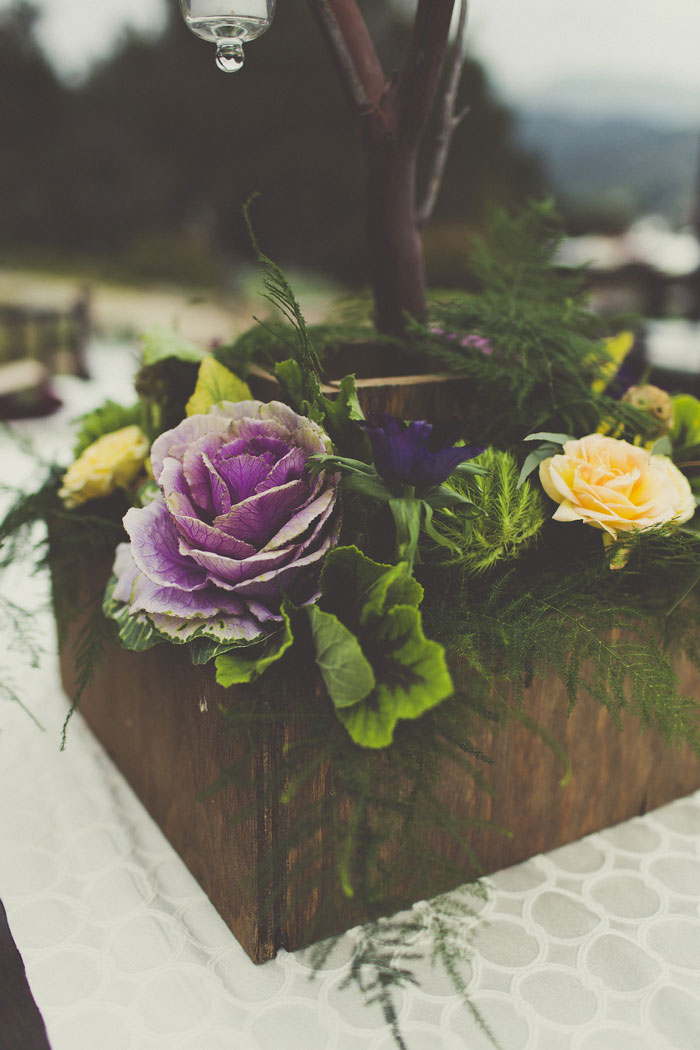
column 159, row 719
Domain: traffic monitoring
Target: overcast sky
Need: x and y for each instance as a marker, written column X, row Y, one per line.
column 527, row 45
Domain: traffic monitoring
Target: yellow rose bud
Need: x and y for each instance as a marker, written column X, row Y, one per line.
column 615, row 486
column 111, row 462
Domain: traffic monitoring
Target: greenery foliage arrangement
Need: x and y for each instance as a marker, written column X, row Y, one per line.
column 409, row 565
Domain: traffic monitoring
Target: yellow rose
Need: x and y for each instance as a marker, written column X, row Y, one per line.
column 615, row 486
column 111, row 462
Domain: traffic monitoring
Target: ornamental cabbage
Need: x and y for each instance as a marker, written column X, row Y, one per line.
column 238, row 525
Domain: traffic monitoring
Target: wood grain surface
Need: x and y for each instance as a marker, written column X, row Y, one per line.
column 434, row 396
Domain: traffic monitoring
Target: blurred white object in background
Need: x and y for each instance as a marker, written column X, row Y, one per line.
column 673, row 345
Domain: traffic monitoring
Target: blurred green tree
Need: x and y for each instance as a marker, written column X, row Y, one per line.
column 34, row 117
column 156, row 151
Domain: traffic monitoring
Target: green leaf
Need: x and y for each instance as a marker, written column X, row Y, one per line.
column 662, row 446
column 162, row 343
column 341, row 417
column 342, row 414
column 202, row 649
column 347, row 401
column 215, row 384
column 370, row 486
column 407, row 514
column 686, row 422
column 374, row 625
column 136, row 632
column 245, row 663
column 146, row 494
column 359, row 589
column 348, row 676
column 358, row 477
column 556, row 439
column 104, row 420
column 470, row 467
column 437, row 537
column 534, row 460
column 288, row 375
column 352, row 466
column 412, row 677
column 396, row 586
column 446, row 497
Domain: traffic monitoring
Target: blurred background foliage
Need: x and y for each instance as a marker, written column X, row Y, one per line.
column 140, row 171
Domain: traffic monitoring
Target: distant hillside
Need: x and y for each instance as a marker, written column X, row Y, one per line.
column 625, row 165
column 647, row 101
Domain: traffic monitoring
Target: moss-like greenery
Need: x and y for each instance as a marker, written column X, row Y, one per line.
column 511, row 517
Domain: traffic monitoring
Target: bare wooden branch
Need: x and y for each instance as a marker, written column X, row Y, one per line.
column 352, row 47
column 420, row 73
column 450, row 122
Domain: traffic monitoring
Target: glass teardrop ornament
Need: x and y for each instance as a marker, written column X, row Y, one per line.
column 229, row 55
column 228, row 24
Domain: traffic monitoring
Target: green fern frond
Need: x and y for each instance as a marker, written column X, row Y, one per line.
column 280, row 294
column 510, row 519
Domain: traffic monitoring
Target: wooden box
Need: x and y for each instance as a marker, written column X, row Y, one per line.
column 159, row 719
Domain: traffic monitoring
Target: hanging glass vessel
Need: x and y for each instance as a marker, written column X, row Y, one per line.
column 228, row 24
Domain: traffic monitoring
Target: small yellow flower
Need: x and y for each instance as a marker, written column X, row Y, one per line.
column 111, row 462
column 617, row 348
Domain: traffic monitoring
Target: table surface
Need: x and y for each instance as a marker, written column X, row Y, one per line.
column 595, row 946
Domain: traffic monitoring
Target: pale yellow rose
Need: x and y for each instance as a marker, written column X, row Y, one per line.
column 615, row 486
column 111, row 462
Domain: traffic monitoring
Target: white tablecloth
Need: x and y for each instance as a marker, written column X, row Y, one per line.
column 595, row 946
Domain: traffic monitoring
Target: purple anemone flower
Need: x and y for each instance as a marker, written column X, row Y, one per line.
column 417, row 453
column 238, row 524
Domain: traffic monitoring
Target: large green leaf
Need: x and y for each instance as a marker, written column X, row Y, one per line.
column 359, row 589
column 347, row 674
column 412, row 676
column 396, row 586
column 215, row 383
column 377, row 664
column 245, row 663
